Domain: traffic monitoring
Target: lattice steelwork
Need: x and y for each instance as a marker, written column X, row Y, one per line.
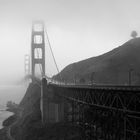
column 105, row 112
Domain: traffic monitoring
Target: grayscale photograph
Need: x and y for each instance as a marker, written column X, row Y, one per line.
column 69, row 69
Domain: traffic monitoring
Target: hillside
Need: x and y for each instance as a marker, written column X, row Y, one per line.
column 110, row 68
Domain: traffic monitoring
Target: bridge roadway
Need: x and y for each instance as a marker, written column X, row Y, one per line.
column 121, row 98
column 96, row 86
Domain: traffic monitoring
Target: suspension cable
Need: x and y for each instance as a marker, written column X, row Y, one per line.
column 53, row 54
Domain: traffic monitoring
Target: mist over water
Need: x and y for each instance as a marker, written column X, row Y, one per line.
column 12, row 93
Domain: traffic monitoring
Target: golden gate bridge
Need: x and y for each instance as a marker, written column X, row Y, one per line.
column 108, row 112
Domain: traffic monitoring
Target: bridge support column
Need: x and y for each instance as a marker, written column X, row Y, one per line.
column 56, row 112
column 44, row 102
column 52, row 108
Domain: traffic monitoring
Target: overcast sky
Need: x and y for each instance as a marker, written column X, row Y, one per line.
column 78, row 29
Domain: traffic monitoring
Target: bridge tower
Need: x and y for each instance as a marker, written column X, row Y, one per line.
column 38, row 47
column 50, row 109
column 27, row 64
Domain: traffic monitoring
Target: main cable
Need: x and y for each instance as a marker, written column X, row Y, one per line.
column 53, row 54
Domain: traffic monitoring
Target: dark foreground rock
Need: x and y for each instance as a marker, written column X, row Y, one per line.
column 28, row 126
column 9, row 121
column 3, row 134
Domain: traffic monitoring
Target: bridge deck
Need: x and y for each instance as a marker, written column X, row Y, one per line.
column 101, row 87
column 121, row 98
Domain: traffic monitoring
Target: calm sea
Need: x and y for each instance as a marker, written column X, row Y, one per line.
column 10, row 93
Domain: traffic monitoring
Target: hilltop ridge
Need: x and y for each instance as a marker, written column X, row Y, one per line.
column 112, row 67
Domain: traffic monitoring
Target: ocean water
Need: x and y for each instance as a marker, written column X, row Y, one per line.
column 13, row 93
